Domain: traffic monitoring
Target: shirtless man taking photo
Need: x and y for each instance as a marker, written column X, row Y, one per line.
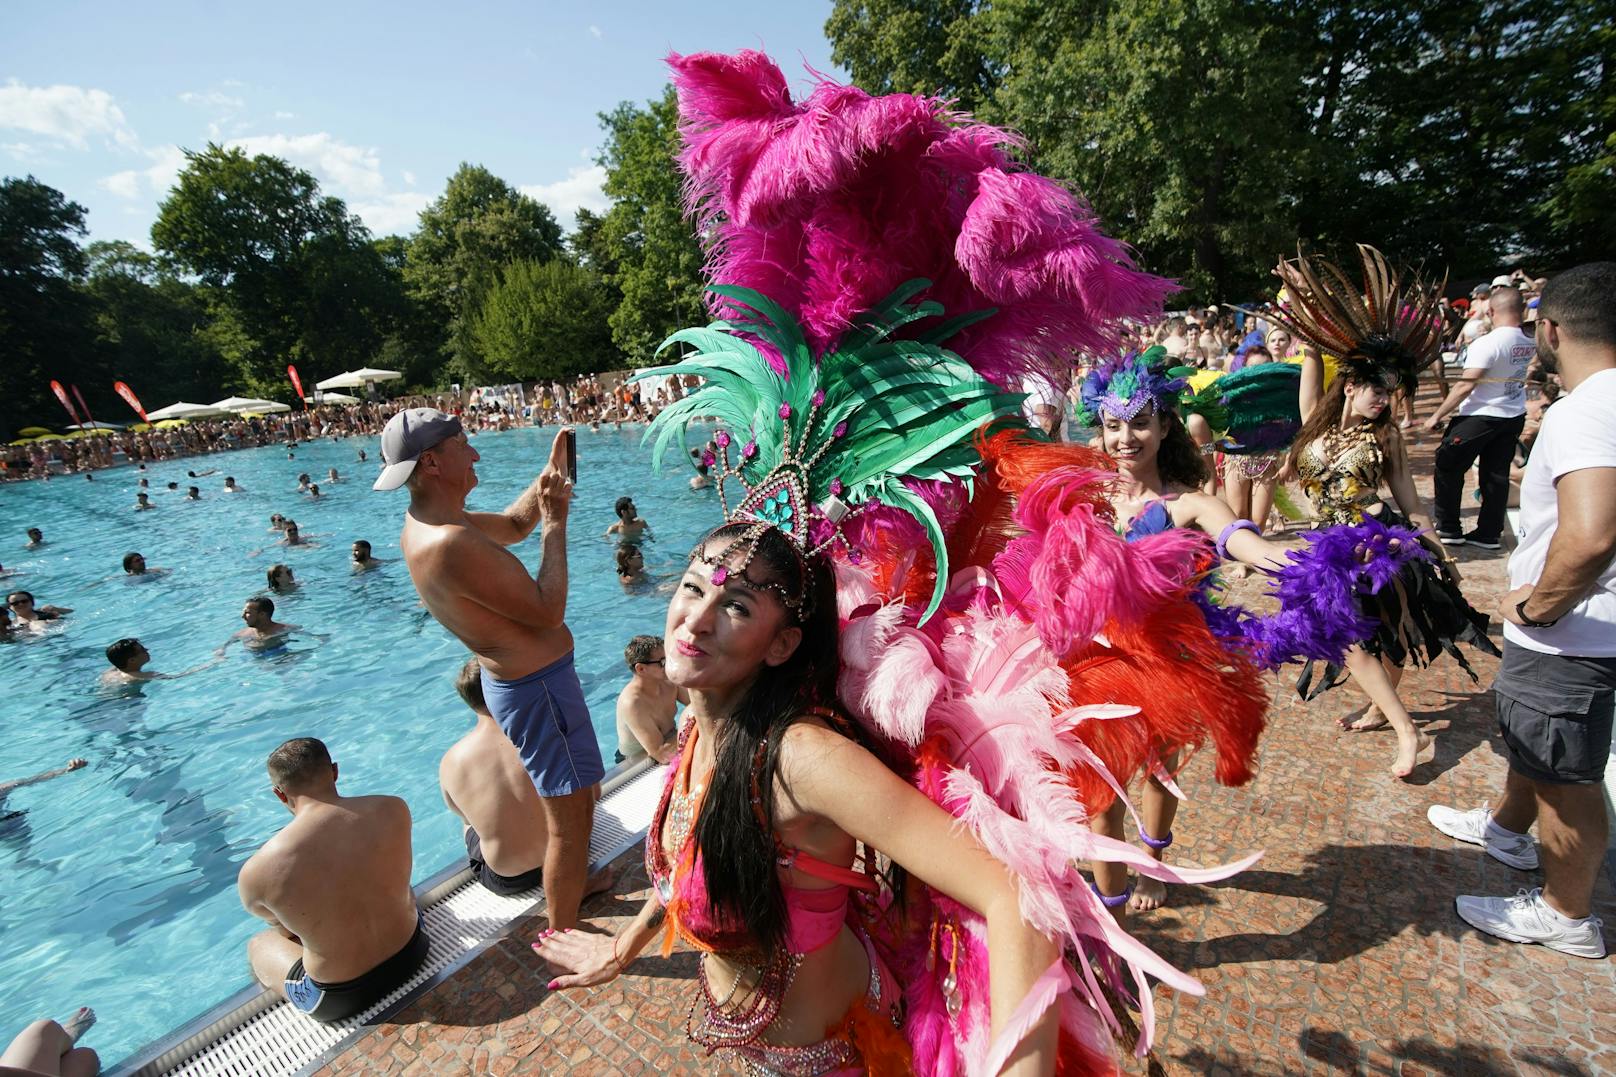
column 514, row 623
column 334, row 887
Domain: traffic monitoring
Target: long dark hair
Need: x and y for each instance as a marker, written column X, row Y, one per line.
column 1179, row 461
column 1327, row 416
column 734, row 837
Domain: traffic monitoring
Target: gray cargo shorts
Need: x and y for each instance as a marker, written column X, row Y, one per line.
column 1555, row 714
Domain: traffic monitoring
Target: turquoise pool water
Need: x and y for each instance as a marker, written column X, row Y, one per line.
column 119, row 880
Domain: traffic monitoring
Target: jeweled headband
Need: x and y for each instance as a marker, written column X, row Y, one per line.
column 1123, row 388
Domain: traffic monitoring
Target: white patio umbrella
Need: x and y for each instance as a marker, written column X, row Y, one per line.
column 265, row 407
column 97, row 425
column 370, row 373
column 331, row 398
column 345, row 380
column 183, row 410
column 246, row 403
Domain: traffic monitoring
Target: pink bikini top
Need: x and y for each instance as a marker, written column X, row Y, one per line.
column 814, row 915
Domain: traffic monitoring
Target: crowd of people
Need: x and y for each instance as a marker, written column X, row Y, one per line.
column 587, row 400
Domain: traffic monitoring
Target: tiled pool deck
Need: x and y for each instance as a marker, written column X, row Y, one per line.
column 1339, row 952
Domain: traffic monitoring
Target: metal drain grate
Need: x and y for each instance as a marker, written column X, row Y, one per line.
column 255, row 1034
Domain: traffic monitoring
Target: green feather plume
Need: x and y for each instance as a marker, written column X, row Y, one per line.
column 910, row 406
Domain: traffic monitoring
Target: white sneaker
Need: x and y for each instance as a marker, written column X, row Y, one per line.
column 1516, row 850
column 1525, row 918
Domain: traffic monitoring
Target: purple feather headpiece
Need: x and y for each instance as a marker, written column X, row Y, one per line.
column 1122, row 388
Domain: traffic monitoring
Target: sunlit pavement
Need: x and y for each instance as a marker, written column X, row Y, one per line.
column 1339, row 952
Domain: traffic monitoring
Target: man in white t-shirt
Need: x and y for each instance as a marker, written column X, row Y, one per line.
column 1556, row 687
column 1488, row 403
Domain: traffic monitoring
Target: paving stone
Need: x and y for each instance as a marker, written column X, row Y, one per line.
column 1337, row 953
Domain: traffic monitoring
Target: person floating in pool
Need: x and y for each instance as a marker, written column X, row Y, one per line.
column 143, row 502
column 303, row 483
column 230, row 486
column 647, row 704
column 135, row 567
column 484, row 783
column 23, row 606
column 128, row 657
column 629, row 527
column 193, row 493
column 293, row 536
column 513, row 622
column 6, row 788
column 362, row 560
column 314, row 490
column 331, row 475
column 334, row 887
column 36, row 539
column 262, row 631
column 202, row 474
column 281, row 580
column 630, row 564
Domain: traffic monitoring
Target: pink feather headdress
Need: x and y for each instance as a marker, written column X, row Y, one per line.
column 829, row 204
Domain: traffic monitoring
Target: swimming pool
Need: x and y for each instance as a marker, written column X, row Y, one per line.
column 119, row 881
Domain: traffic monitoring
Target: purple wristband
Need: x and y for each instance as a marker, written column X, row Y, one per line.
column 1228, row 532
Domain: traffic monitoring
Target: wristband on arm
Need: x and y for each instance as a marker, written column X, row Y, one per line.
column 1229, row 532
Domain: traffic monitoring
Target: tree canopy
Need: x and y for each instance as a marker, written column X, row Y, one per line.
column 544, row 320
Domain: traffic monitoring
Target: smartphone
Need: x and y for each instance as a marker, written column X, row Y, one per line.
column 572, row 456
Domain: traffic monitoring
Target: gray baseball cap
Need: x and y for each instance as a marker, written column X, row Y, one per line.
column 405, row 437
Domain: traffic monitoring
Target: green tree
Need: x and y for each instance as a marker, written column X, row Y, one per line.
column 44, row 317
column 478, row 226
column 545, row 320
column 1214, row 133
column 153, row 327
column 644, row 246
column 293, row 272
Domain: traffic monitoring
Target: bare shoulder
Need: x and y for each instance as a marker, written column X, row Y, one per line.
column 811, row 748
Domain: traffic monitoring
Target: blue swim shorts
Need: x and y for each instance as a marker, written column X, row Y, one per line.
column 545, row 716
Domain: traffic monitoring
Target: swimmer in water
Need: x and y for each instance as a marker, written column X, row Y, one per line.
column 202, row 474
column 331, row 476
column 294, row 537
column 362, row 561
column 230, row 486
column 43, row 776
column 277, row 522
column 129, row 657
column 262, row 629
column 303, row 483
column 314, row 489
column 134, row 564
column 281, row 580
column 193, row 494
column 143, row 502
column 629, row 527
column 630, row 565
column 22, row 606
column 36, row 539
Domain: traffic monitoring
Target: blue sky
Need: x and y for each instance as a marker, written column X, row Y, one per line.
column 381, row 101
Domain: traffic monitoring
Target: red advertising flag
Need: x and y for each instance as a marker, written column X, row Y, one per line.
column 131, row 399
column 297, row 383
column 80, row 398
column 61, row 394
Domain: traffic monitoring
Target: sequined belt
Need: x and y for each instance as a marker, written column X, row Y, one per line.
column 833, row 1055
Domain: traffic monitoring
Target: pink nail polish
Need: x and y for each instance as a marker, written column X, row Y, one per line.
column 550, row 986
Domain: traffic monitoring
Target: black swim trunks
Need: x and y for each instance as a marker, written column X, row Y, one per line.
column 503, row 885
column 334, row 1002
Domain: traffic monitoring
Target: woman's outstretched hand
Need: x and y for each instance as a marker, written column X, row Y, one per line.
column 580, row 958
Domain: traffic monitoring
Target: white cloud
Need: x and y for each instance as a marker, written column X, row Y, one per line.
column 409, row 177
column 580, row 190
column 391, row 214
column 25, row 152
column 351, row 172
column 153, row 180
column 595, row 30
column 212, row 99
column 286, row 115
column 70, row 115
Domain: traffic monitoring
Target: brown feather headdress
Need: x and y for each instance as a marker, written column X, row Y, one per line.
column 1381, row 332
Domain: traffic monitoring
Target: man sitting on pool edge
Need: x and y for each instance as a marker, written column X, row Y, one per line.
column 334, row 887
column 484, row 783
